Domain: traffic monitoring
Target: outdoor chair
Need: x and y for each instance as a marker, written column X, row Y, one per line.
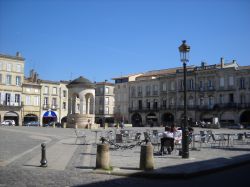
column 137, row 137
column 247, row 137
column 81, row 136
column 118, row 138
column 155, row 140
column 203, row 138
column 218, row 139
column 146, row 136
column 110, row 136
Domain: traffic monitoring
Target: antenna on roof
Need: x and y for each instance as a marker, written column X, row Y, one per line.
column 71, row 74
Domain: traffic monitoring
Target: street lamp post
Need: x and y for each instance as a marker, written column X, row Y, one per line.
column 184, row 52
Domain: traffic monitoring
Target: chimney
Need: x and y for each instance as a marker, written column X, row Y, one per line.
column 18, row 54
column 222, row 62
column 203, row 64
column 234, row 61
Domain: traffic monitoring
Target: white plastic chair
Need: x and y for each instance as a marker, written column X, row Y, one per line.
column 81, row 136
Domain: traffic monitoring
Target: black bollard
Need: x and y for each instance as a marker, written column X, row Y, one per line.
column 43, row 159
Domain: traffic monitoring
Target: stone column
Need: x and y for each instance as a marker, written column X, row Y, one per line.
column 88, row 106
column 73, row 105
column 93, row 106
column 81, row 105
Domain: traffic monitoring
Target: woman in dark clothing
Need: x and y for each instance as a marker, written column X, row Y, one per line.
column 168, row 139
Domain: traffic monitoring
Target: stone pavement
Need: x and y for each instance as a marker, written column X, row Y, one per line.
column 65, row 157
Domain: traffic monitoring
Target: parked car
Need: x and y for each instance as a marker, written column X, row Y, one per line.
column 8, row 123
column 236, row 126
column 50, row 124
column 32, row 123
column 57, row 124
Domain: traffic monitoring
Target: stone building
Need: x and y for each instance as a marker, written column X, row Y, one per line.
column 104, row 102
column 31, row 95
column 11, row 79
column 121, row 112
column 29, row 99
column 81, row 107
column 53, row 101
column 220, row 90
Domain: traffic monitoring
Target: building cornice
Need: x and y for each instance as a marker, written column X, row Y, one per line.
column 12, row 57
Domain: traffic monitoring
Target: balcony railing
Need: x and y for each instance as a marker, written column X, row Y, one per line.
column 194, row 107
column 46, row 106
column 11, row 105
column 145, row 109
column 54, row 107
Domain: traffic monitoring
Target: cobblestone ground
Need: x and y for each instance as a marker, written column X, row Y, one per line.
column 72, row 165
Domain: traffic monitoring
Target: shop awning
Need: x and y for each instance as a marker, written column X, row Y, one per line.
column 50, row 114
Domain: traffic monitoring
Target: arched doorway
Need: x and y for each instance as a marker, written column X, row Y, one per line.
column 227, row 118
column 49, row 116
column 245, row 118
column 30, row 117
column 151, row 119
column 11, row 116
column 167, row 119
column 136, row 120
column 64, row 121
column 89, row 98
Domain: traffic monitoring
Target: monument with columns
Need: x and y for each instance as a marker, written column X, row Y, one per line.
column 81, row 103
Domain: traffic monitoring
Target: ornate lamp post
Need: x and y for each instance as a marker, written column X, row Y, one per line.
column 184, row 55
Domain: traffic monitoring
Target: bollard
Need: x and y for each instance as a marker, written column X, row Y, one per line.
column 43, row 159
column 102, row 156
column 146, row 157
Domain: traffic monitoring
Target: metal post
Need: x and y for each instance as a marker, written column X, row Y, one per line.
column 43, row 159
column 185, row 134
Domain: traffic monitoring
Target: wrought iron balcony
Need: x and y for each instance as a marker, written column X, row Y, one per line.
column 144, row 109
column 10, row 105
column 46, row 106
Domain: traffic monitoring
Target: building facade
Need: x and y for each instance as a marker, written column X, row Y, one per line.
column 30, row 99
column 121, row 112
column 11, row 79
column 81, row 99
column 104, row 102
column 220, row 90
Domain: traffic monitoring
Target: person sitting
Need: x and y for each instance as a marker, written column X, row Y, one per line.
column 178, row 136
column 190, row 134
column 168, row 140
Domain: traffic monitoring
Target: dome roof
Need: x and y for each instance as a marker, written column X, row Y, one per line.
column 81, row 81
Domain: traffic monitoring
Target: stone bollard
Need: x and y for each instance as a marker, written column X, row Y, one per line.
column 102, row 156
column 43, row 159
column 146, row 157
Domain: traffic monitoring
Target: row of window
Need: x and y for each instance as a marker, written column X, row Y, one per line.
column 202, row 85
column 210, row 101
column 147, row 90
column 101, row 101
column 11, row 67
column 53, row 103
column 15, row 100
column 100, row 90
column 8, row 80
column 54, row 91
column 105, row 112
column 32, row 100
column 10, row 99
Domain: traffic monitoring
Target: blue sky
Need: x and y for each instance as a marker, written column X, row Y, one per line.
column 101, row 39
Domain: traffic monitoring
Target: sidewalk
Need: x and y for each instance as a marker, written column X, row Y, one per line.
column 64, row 155
column 203, row 161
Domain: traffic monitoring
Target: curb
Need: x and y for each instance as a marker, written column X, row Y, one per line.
column 182, row 175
